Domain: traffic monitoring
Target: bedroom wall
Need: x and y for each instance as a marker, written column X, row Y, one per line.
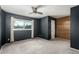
column 63, row 27
column 18, row 36
column 2, row 27
column 45, row 27
column 42, row 27
column 75, row 27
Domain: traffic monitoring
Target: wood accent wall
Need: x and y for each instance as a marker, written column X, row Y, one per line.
column 63, row 27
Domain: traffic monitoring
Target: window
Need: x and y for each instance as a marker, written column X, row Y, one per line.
column 28, row 25
column 18, row 24
column 23, row 24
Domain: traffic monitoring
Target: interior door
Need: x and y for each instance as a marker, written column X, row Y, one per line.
column 52, row 29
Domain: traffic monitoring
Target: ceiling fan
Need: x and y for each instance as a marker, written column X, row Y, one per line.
column 35, row 10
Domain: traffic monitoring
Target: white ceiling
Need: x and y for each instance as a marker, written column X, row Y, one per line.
column 48, row 10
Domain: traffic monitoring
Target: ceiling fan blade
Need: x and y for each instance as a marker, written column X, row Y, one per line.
column 34, row 9
column 39, row 12
column 31, row 13
column 39, row 6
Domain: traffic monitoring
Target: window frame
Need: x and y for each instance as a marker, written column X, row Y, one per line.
column 12, row 29
column 23, row 26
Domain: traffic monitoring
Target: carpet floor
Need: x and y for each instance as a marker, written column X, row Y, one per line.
column 39, row 46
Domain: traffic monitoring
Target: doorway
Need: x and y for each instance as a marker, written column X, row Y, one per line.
column 52, row 29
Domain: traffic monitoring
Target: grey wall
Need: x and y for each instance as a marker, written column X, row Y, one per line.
column 45, row 28
column 18, row 36
column 42, row 27
column 75, row 27
column 36, row 27
column 22, row 34
column 49, row 27
column 2, row 27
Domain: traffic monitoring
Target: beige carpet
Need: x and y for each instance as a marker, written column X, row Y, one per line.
column 39, row 46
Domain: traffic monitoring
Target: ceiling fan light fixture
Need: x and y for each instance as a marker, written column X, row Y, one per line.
column 35, row 10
